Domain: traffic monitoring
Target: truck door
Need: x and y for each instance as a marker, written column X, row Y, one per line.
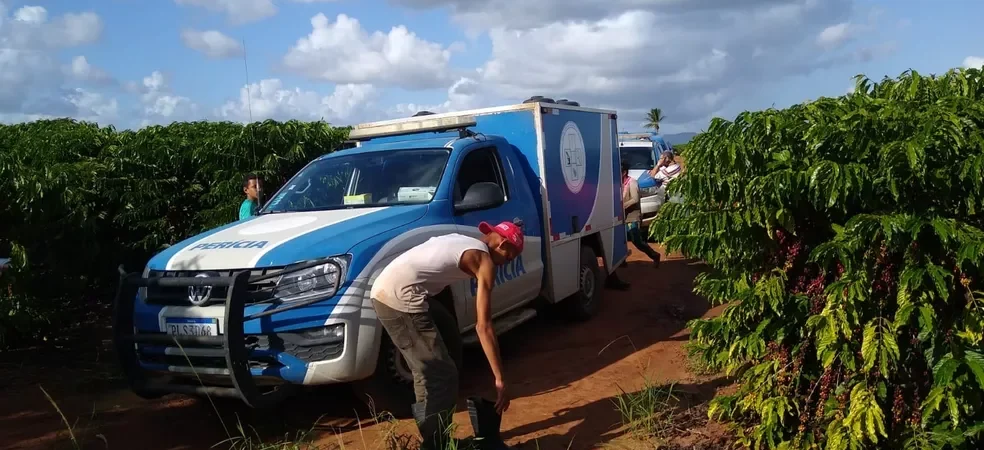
column 520, row 279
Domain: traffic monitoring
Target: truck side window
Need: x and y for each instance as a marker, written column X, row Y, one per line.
column 480, row 165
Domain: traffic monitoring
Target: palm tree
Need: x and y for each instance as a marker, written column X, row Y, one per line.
column 653, row 119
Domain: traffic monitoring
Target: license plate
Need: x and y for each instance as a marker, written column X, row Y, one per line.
column 191, row 326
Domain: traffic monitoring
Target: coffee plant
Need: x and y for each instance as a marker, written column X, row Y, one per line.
column 845, row 237
column 80, row 199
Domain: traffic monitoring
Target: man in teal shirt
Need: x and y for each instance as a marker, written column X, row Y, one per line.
column 252, row 187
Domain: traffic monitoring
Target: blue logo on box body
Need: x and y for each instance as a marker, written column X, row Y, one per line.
column 229, row 244
column 506, row 272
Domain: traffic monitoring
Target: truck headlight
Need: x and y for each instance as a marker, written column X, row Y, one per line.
column 649, row 191
column 302, row 281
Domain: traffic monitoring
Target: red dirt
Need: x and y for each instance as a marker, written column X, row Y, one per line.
column 561, row 375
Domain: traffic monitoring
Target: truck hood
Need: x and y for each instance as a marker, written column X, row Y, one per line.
column 642, row 176
column 273, row 240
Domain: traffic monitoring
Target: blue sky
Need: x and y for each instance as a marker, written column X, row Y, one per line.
column 136, row 62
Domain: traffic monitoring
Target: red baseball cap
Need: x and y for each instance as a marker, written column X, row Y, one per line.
column 508, row 230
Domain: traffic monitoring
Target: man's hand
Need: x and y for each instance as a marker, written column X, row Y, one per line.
column 502, row 397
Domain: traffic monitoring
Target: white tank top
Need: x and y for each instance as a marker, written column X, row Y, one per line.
column 423, row 271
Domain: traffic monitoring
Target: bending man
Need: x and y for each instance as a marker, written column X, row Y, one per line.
column 400, row 294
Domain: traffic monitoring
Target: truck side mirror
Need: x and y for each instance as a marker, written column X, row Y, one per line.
column 480, row 196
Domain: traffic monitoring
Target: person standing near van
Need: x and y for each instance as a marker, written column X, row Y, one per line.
column 633, row 215
column 400, row 298
column 253, row 188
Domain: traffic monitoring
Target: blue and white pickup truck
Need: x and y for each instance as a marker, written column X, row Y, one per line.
column 258, row 307
column 641, row 151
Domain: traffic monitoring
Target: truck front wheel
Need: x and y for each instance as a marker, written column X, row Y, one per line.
column 390, row 388
column 584, row 304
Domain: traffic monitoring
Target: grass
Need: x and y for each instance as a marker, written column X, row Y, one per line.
column 77, row 437
column 657, row 413
column 649, row 413
column 696, row 364
column 301, row 440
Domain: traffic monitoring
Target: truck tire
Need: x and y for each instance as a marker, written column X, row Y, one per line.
column 584, row 304
column 390, row 388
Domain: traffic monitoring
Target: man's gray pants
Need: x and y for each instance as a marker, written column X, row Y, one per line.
column 435, row 376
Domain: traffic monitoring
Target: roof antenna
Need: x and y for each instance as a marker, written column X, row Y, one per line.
column 249, row 107
column 249, row 100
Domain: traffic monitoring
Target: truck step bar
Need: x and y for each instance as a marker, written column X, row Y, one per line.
column 232, row 346
column 503, row 323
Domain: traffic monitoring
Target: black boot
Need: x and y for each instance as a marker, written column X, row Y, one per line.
column 655, row 256
column 614, row 282
column 434, row 427
column 485, row 423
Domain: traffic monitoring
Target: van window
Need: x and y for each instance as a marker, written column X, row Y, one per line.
column 638, row 158
column 482, row 165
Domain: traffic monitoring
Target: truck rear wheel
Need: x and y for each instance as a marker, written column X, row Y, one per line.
column 584, row 304
column 390, row 388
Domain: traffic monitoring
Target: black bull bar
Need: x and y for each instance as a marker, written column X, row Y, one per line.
column 231, row 345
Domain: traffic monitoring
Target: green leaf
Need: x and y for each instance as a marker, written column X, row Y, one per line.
column 869, row 346
column 932, row 402
column 954, row 410
column 879, row 346
column 903, row 316
column 940, row 279
column 865, row 417
column 975, row 361
column 927, row 321
column 944, row 369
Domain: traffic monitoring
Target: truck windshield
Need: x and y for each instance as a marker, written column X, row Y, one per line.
column 638, row 158
column 363, row 179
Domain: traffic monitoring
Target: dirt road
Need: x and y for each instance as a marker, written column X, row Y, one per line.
column 563, row 379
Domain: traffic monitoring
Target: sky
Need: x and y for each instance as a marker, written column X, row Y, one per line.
column 133, row 63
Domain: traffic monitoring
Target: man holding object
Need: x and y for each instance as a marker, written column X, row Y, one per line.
column 400, row 297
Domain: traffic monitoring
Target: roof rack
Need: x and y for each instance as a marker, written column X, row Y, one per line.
column 416, row 124
column 635, row 136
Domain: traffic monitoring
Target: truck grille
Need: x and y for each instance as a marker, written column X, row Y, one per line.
column 258, row 290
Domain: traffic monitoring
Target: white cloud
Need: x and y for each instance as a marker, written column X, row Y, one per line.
column 211, row 43
column 973, row 62
column 466, row 93
column 31, row 14
column 238, row 11
column 31, row 76
column 80, row 69
column 524, row 15
column 93, row 106
column 694, row 58
column 160, row 105
column 30, row 28
column 343, row 52
column 835, row 36
column 269, row 99
column 79, row 104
